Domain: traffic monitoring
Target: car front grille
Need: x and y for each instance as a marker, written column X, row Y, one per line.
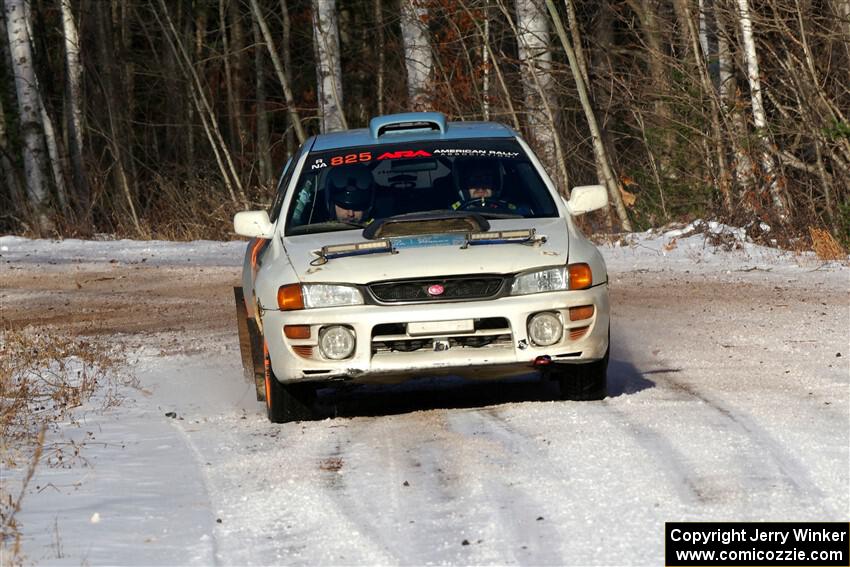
column 489, row 332
column 455, row 288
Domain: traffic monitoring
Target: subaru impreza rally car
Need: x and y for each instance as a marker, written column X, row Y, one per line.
column 419, row 247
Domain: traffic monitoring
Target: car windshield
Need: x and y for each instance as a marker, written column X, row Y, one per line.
column 349, row 188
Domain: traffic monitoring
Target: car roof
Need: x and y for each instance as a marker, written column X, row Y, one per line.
column 448, row 131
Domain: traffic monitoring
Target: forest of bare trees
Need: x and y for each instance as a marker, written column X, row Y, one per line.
column 161, row 118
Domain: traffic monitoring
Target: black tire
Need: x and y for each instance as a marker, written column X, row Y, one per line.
column 288, row 402
column 584, row 382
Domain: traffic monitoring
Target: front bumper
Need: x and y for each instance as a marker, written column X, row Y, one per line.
column 508, row 352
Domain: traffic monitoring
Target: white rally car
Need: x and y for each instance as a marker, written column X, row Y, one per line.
column 419, row 247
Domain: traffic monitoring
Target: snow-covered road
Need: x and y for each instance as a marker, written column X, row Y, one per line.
column 729, row 401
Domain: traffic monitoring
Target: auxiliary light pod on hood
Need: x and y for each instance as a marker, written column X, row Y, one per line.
column 387, row 246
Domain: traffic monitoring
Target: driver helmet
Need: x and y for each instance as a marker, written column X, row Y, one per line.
column 476, row 176
column 350, row 187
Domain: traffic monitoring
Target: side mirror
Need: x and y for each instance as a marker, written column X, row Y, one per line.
column 587, row 198
column 253, row 224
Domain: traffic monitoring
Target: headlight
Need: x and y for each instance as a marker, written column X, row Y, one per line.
column 545, row 329
column 551, row 279
column 337, row 342
column 326, row 295
column 312, row 296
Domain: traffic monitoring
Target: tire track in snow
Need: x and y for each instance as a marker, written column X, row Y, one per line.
column 673, row 464
column 455, row 491
column 528, row 539
column 792, row 471
column 406, row 502
column 350, row 486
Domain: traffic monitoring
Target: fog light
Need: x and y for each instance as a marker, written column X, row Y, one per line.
column 545, row 329
column 337, row 342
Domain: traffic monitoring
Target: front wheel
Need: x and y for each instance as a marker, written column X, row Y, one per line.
column 583, row 382
column 287, row 402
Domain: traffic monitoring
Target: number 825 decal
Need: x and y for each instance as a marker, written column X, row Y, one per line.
column 351, row 158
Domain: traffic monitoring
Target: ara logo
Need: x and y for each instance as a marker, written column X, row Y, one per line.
column 404, row 154
column 436, row 289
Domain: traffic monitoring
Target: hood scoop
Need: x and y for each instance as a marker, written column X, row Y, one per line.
column 414, row 224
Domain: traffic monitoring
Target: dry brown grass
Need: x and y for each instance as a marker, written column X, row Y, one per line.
column 192, row 210
column 825, row 245
column 44, row 376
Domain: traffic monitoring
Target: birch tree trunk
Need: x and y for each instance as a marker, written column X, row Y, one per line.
column 418, row 57
column 728, row 89
column 533, row 44
column 57, row 158
column 759, row 118
column 328, row 68
column 596, row 136
column 74, row 97
column 29, row 113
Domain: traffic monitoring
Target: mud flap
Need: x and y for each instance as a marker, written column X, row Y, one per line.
column 250, row 346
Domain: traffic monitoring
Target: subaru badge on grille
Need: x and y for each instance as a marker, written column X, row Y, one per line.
column 436, row 289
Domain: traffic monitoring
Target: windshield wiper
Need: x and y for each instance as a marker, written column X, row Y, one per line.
column 500, row 215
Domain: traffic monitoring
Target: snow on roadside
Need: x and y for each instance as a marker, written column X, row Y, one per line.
column 708, row 247
column 154, row 252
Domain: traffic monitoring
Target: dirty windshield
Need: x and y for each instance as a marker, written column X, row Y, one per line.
column 350, row 188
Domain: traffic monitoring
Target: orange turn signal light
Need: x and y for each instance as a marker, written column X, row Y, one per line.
column 289, row 297
column 580, row 276
column 576, row 334
column 296, row 331
column 579, row 313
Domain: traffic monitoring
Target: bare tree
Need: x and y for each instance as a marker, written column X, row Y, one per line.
column 533, row 44
column 74, row 97
column 759, row 117
column 263, row 150
column 328, row 67
column 379, row 30
column 230, row 175
column 596, row 136
column 282, row 75
column 29, row 112
column 418, row 56
column 728, row 89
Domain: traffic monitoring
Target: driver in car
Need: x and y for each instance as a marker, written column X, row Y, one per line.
column 480, row 190
column 351, row 194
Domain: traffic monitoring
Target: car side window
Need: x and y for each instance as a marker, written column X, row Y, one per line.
column 285, row 178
